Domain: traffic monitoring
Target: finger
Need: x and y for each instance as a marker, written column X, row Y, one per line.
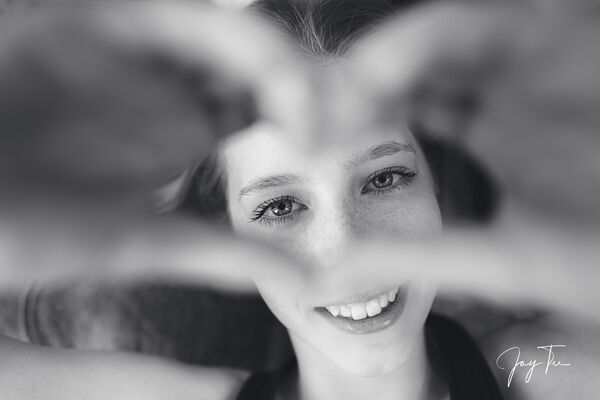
column 168, row 249
column 390, row 63
column 534, row 76
column 80, row 113
column 241, row 47
column 506, row 270
column 103, row 121
column 157, row 64
column 186, row 251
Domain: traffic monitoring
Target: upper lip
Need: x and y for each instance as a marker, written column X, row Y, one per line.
column 359, row 298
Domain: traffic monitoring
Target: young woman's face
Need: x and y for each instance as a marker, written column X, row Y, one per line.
column 315, row 205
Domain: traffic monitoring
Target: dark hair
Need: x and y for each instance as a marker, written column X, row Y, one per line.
column 325, row 30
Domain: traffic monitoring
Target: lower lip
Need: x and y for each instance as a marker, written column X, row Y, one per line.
column 386, row 318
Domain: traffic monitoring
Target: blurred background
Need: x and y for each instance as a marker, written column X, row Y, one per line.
column 202, row 325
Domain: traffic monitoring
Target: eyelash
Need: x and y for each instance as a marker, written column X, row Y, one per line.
column 258, row 214
column 407, row 177
column 270, row 221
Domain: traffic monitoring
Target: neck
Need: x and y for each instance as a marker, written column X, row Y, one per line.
column 319, row 378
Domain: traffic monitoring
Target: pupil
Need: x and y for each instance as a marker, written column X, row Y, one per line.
column 383, row 180
column 281, row 208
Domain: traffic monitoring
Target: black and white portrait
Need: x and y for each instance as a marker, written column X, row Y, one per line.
column 299, row 199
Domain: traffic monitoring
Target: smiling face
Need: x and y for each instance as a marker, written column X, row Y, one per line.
column 315, row 206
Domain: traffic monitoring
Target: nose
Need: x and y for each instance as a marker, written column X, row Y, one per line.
column 332, row 231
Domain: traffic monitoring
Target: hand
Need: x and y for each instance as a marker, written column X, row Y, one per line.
column 536, row 79
column 537, row 131
column 100, row 107
column 110, row 100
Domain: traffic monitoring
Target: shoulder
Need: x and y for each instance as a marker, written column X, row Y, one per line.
column 538, row 349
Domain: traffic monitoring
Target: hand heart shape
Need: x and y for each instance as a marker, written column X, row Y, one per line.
column 99, row 108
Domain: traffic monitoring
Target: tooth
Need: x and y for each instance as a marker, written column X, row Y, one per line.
column 392, row 295
column 345, row 311
column 383, row 300
column 373, row 307
column 333, row 310
column 358, row 311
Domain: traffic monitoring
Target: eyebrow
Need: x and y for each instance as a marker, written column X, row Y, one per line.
column 269, row 182
column 372, row 153
column 382, row 150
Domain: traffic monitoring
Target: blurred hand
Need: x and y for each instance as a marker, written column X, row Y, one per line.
column 534, row 76
column 530, row 82
column 99, row 107
column 112, row 100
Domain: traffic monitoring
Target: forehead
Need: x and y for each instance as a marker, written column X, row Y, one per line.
column 263, row 149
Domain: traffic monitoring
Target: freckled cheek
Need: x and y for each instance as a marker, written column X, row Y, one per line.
column 406, row 217
column 295, row 239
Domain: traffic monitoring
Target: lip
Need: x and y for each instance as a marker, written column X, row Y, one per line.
column 361, row 298
column 371, row 324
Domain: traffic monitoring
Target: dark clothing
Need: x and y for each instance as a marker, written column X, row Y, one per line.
column 464, row 367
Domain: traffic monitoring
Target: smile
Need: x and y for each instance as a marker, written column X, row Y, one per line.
column 366, row 315
column 362, row 310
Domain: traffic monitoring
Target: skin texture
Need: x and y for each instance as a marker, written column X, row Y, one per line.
column 497, row 153
column 335, row 203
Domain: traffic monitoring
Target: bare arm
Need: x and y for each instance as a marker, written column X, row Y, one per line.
column 30, row 372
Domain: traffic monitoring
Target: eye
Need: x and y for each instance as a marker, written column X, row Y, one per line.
column 383, row 180
column 278, row 210
column 388, row 180
column 281, row 207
